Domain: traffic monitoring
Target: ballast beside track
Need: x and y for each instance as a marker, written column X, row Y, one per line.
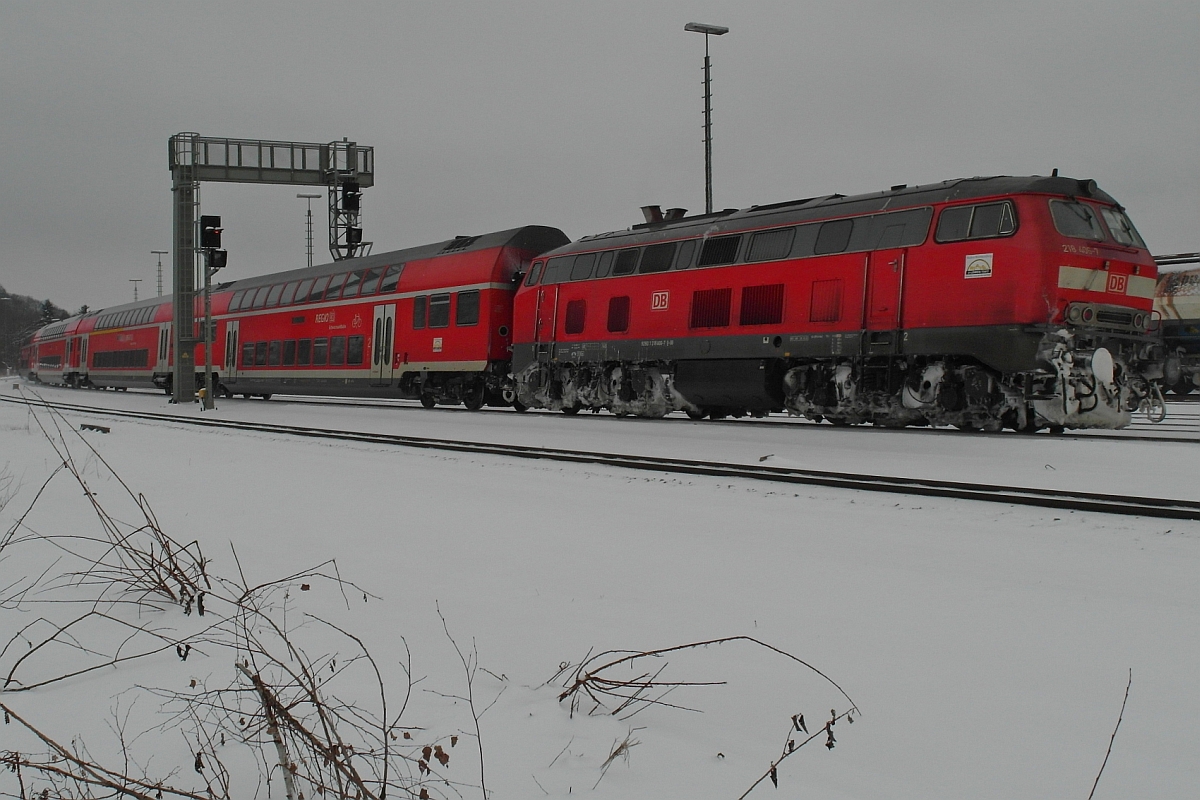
column 1045, row 498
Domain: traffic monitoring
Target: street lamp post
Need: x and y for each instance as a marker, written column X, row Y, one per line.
column 160, row 254
column 308, row 223
column 707, row 30
column 135, row 282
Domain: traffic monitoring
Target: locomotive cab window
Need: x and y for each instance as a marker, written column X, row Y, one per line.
column 582, row 269
column 535, row 272
column 439, row 310
column 557, row 269
column 605, row 266
column 419, row 306
column 986, row 221
column 466, row 310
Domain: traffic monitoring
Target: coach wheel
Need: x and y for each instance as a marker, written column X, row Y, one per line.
column 265, row 396
column 570, row 410
column 697, row 413
column 428, row 400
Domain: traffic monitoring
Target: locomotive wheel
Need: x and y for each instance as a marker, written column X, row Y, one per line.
column 473, row 399
column 428, row 401
column 1183, row 387
column 570, row 411
column 697, row 414
column 519, row 407
column 265, row 396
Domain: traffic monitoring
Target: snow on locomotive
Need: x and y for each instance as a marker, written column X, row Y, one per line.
column 982, row 303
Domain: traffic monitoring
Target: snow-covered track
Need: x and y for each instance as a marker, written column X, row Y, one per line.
column 1047, row 498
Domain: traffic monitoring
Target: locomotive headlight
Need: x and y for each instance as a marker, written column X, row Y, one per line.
column 1139, row 321
column 1073, row 313
column 1087, row 314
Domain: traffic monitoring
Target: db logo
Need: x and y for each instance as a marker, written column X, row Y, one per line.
column 1117, row 283
column 659, row 301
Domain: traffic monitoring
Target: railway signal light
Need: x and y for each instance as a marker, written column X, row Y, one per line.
column 217, row 259
column 353, row 235
column 351, row 196
column 210, row 231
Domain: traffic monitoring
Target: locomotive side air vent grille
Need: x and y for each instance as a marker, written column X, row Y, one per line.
column 710, row 308
column 762, row 305
column 459, row 243
column 826, row 305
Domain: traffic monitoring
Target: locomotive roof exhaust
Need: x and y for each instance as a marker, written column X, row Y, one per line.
column 655, row 214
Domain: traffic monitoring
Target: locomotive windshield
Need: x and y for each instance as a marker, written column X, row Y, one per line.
column 1121, row 228
column 1076, row 220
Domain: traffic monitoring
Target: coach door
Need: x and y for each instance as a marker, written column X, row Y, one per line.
column 162, row 360
column 383, row 339
column 546, row 318
column 232, row 348
column 885, row 283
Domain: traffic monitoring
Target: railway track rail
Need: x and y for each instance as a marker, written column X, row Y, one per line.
column 1011, row 495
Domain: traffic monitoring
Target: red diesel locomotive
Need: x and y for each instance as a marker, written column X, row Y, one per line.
column 980, row 303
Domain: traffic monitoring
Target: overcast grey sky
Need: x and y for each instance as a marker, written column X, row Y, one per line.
column 486, row 115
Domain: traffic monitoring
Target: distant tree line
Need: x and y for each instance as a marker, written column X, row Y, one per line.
column 19, row 317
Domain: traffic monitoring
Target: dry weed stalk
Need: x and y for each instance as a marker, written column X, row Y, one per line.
column 279, row 699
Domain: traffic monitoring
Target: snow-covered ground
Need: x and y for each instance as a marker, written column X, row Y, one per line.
column 987, row 646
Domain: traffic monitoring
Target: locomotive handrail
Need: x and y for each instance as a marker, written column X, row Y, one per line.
column 1028, row 496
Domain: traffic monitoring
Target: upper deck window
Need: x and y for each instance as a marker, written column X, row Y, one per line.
column 1076, row 220
column 391, row 278
column 1121, row 228
column 986, row 221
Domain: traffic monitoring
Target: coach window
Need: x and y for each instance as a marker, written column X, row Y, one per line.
column 419, row 306
column 439, row 310
column 320, row 352
column 626, row 263
column 605, row 265
column 535, row 272
column 353, row 281
column 370, row 283
column 618, row 314
column 687, row 252
column 260, row 354
column 248, row 354
column 302, row 292
column 318, row 289
column 289, row 353
column 274, row 354
column 289, row 293
column 273, row 295
column 354, row 350
column 466, row 310
column 236, row 302
column 657, row 258
column 303, row 352
column 834, row 237
column 337, row 351
column 576, row 314
column 391, row 278
column 334, row 291
column 719, row 250
column 771, row 245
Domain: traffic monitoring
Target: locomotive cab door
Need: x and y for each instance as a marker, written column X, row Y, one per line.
column 884, row 288
column 545, row 320
column 383, row 342
column 232, row 351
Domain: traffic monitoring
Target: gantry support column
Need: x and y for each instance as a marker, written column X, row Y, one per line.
column 184, row 190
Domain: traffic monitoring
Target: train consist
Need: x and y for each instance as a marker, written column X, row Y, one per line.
column 1177, row 303
column 982, row 303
